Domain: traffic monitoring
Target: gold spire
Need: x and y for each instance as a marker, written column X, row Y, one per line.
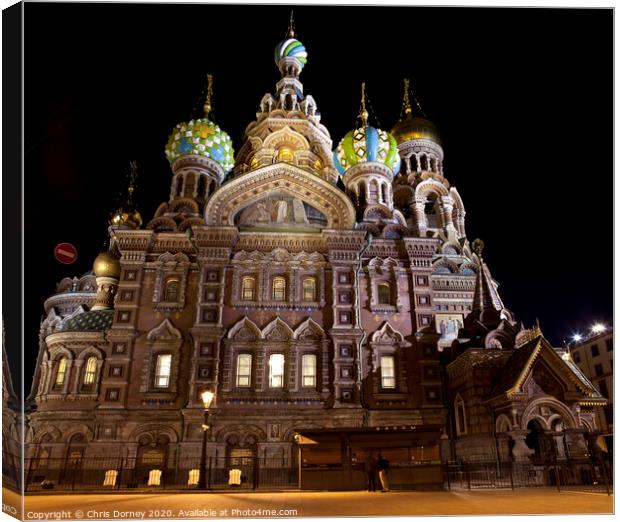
column 364, row 112
column 126, row 215
column 407, row 102
column 207, row 106
column 132, row 180
column 291, row 31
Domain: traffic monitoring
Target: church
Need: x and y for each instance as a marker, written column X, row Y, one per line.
column 327, row 295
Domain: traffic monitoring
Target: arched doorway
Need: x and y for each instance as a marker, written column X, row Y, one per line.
column 541, row 442
column 151, row 460
column 72, row 472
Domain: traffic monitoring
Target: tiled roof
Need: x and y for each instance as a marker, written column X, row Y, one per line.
column 511, row 371
column 92, row 320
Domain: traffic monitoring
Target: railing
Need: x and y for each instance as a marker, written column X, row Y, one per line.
column 129, row 473
column 582, row 474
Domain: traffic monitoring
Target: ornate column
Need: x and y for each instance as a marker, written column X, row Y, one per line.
column 417, row 209
column 520, row 450
column 76, row 378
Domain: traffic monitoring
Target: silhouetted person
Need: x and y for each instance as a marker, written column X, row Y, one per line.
column 370, row 466
column 383, row 464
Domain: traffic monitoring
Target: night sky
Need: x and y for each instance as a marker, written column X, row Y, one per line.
column 523, row 98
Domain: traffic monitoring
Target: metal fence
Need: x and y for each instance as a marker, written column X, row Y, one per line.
column 116, row 473
column 583, row 474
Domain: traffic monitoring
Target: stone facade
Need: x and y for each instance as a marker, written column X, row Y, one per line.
column 303, row 306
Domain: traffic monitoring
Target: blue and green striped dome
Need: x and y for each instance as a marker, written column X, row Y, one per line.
column 201, row 137
column 367, row 144
column 291, row 48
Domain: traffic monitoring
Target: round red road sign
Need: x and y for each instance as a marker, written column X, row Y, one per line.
column 66, row 253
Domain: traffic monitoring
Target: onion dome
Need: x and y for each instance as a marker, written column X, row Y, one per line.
column 201, row 137
column 417, row 128
column 107, row 265
column 367, row 144
column 93, row 320
column 291, row 48
column 414, row 128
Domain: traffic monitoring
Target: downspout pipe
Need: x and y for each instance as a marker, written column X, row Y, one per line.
column 358, row 324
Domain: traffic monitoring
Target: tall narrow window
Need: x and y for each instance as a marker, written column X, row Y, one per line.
column 309, row 289
column 61, row 371
column 276, row 370
column 171, row 292
column 279, row 289
column 385, row 294
column 244, row 370
column 162, row 370
column 308, row 370
column 91, row 369
column 248, row 288
column 459, row 413
column 388, row 376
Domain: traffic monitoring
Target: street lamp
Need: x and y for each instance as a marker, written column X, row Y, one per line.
column 207, row 398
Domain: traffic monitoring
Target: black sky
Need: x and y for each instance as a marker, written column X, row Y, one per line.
column 523, row 98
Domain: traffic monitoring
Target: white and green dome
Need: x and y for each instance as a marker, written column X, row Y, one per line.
column 291, row 48
column 201, row 137
column 367, row 144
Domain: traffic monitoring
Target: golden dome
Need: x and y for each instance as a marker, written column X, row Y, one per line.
column 126, row 218
column 417, row 128
column 106, row 265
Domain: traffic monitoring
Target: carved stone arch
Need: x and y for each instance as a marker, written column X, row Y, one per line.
column 154, row 430
column 65, row 285
column 398, row 216
column 161, row 210
column 244, row 330
column 50, row 430
column 190, row 222
column 81, row 429
column 530, row 412
column 468, row 266
column 280, row 255
column 502, row 423
column 309, row 330
column 451, row 245
column 88, row 283
column 456, row 198
column 404, row 196
column 286, row 136
column 280, row 178
column 58, row 351
column 387, row 335
column 586, row 424
column 241, row 430
column 179, row 203
column 370, row 227
column 277, row 330
column 452, row 267
column 430, row 186
column 162, row 224
column 165, row 332
column 79, row 310
column 379, row 209
column 168, row 257
column 91, row 351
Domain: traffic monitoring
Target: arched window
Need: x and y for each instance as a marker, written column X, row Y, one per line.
column 279, row 289
column 384, row 195
column 276, row 370
column 459, row 416
column 179, row 187
column 414, row 163
column 244, row 370
column 373, row 191
column 433, row 164
column 90, row 371
column 248, row 288
column 309, row 289
column 388, row 374
column 171, row 291
column 308, row 370
column 61, row 371
column 163, row 369
column 385, row 293
column 361, row 197
column 202, row 185
column 424, row 162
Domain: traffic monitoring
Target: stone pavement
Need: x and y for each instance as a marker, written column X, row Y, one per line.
column 308, row 504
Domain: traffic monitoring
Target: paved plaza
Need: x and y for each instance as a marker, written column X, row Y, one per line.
column 308, row 504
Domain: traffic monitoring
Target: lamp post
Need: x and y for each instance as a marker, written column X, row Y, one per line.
column 207, row 398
